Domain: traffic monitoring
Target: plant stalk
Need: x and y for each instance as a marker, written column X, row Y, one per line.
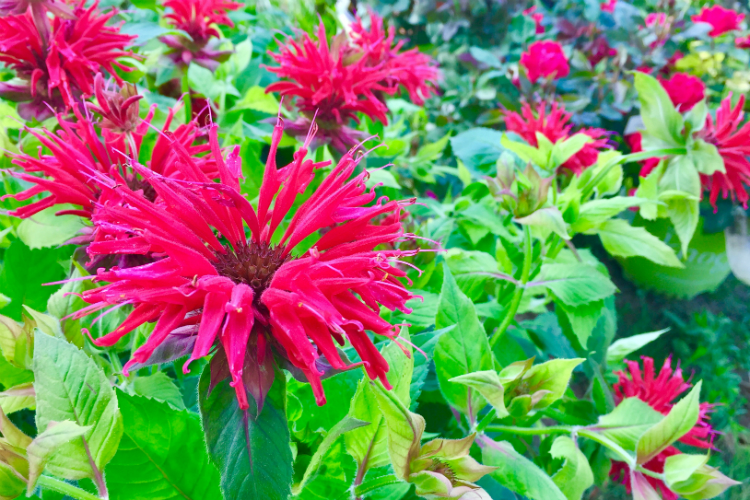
column 518, row 293
column 530, row 431
column 50, row 483
column 186, row 96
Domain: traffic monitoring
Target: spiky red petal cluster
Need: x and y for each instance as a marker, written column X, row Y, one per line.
column 659, row 391
column 555, row 125
column 250, row 294
column 196, row 17
column 58, row 67
column 347, row 77
column 732, row 138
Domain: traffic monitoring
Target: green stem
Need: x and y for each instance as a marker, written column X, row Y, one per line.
column 50, row 483
column 530, row 431
column 186, row 96
column 373, row 485
column 632, row 157
column 651, row 473
column 486, row 420
column 518, row 293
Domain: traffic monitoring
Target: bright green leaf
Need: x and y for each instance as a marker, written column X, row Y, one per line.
column 517, row 473
column 657, row 111
column 45, row 229
column 622, row 347
column 623, row 240
column 575, row 284
column 159, row 387
column 47, row 443
column 575, row 475
column 488, row 384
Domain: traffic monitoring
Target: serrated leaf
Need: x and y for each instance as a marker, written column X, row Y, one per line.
column 659, row 115
column 681, row 418
column 623, row 240
column 163, row 448
column 575, row 284
column 257, row 99
column 465, row 349
column 45, row 229
column 269, row 475
column 575, row 475
column 517, row 473
column 159, row 387
column 595, row 212
column 70, row 386
column 489, row 385
column 41, row 449
column 622, row 347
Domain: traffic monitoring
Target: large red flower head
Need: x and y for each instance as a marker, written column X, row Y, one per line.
column 555, row 125
column 659, row 391
column 56, row 64
column 294, row 294
column 198, row 19
column 732, row 138
column 722, row 20
column 684, row 90
column 545, row 59
column 348, row 76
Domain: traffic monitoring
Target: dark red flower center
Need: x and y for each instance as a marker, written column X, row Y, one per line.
column 253, row 265
column 135, row 183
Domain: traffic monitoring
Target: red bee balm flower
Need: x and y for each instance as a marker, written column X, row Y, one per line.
column 608, row 6
column 555, row 126
column 347, row 77
column 260, row 294
column 537, row 17
column 545, row 59
column 684, row 90
column 722, row 20
column 197, row 18
column 58, row 68
column 659, row 391
column 732, row 138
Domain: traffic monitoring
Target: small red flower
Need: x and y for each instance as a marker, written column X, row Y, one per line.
column 659, row 391
column 656, row 19
column 684, row 90
column 337, row 81
column 732, row 138
column 722, row 20
column 555, row 125
column 742, row 42
column 537, row 17
column 608, row 6
column 251, row 298
column 57, row 68
column 198, row 19
column 545, row 59
column 598, row 50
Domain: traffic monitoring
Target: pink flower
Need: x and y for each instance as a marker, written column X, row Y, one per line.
column 545, row 59
column 656, row 19
column 537, row 17
column 598, row 50
column 742, row 42
column 732, row 138
column 555, row 125
column 336, row 82
column 722, row 20
column 57, row 65
column 251, row 299
column 684, row 90
column 198, row 18
column 659, row 391
column 608, row 6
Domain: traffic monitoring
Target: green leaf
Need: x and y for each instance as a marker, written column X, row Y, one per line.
column 648, row 189
column 46, row 229
column 690, row 477
column 553, row 376
column 623, row 240
column 621, row 348
column 159, row 387
column 581, row 319
column 368, row 445
column 595, row 212
column 548, row 219
column 70, row 386
column 682, row 417
column 24, row 273
column 257, row 99
column 477, row 148
column 348, row 424
column 563, row 150
column 11, row 486
column 260, row 467
column 625, row 425
column 47, row 444
column 163, row 448
column 488, row 384
column 575, row 284
column 405, row 430
column 465, row 349
column 465, row 266
column 696, row 117
column 517, row 473
column 575, row 476
column 18, row 398
column 706, row 158
column 526, row 152
column 681, row 176
column 659, row 115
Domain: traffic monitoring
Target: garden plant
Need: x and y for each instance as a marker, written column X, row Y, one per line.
column 374, row 249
